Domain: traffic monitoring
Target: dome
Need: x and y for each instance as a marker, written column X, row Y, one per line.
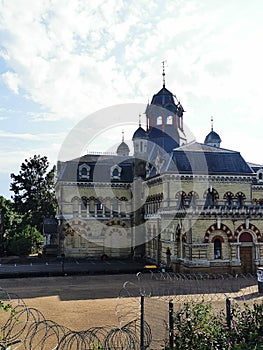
column 165, row 99
column 140, row 133
column 123, row 149
column 213, row 139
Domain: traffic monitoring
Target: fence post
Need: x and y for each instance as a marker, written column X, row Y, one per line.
column 142, row 322
column 228, row 313
column 171, row 325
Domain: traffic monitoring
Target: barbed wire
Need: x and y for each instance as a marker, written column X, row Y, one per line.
column 26, row 328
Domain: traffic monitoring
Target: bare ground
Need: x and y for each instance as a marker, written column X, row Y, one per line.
column 81, row 302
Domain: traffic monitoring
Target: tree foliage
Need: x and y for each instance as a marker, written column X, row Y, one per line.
column 33, row 188
column 10, row 222
column 25, row 242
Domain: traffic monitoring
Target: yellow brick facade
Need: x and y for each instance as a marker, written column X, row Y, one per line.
column 185, row 205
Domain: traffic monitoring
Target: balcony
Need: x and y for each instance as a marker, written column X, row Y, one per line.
column 220, row 208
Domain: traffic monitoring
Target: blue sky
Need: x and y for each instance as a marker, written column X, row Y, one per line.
column 61, row 61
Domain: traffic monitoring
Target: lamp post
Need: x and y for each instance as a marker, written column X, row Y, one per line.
column 63, row 263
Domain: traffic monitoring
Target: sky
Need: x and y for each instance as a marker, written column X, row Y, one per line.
column 63, row 61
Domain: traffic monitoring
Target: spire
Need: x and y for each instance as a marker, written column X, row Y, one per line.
column 163, row 63
column 212, row 126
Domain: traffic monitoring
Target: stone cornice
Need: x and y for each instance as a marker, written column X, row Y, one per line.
column 201, row 178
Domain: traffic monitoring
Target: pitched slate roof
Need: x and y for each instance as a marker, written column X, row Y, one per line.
column 165, row 139
column 197, row 158
column 100, row 168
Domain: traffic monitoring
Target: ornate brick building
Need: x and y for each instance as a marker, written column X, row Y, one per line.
column 174, row 201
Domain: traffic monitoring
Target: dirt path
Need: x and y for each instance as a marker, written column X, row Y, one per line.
column 77, row 302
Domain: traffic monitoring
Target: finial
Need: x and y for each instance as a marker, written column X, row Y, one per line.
column 163, row 63
column 212, row 127
column 140, row 119
column 122, row 135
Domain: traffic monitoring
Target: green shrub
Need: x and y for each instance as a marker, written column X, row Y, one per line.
column 198, row 326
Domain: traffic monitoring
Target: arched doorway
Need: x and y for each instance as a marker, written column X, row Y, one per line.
column 246, row 252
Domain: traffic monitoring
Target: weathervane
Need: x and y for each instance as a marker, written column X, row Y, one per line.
column 164, row 63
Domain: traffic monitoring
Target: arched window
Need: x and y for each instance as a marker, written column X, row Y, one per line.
column 141, row 147
column 181, row 199
column 229, row 196
column 211, row 196
column 260, row 175
column 193, row 197
column 159, row 120
column 84, row 171
column 240, row 199
column 99, row 205
column 116, row 172
column 83, row 204
column 169, row 120
column 217, row 249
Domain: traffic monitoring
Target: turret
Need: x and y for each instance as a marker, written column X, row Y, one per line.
column 212, row 139
column 140, row 142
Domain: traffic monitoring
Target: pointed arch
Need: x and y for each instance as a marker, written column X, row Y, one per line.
column 222, row 227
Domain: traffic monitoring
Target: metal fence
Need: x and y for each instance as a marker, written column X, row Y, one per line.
column 145, row 318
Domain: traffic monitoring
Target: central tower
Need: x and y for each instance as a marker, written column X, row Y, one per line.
column 164, row 118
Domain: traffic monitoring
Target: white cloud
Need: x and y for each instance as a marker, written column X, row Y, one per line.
column 33, row 137
column 75, row 57
column 12, row 81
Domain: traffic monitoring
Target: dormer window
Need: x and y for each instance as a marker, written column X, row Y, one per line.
column 116, row 172
column 84, row 172
column 260, row 175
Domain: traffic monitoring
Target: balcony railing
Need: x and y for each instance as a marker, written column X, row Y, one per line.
column 201, row 207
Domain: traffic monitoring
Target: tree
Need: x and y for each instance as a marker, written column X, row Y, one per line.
column 34, row 194
column 25, row 242
column 9, row 224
